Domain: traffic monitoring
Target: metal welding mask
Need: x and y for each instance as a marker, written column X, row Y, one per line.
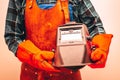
column 73, row 46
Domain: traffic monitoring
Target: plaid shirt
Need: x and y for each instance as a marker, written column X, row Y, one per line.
column 83, row 12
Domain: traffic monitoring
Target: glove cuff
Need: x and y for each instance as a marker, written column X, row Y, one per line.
column 102, row 41
column 26, row 50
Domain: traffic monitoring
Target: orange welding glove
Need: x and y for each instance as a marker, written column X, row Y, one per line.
column 99, row 55
column 27, row 52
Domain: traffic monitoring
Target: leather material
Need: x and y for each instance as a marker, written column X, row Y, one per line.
column 41, row 28
column 99, row 55
column 27, row 52
column 30, row 73
column 41, row 24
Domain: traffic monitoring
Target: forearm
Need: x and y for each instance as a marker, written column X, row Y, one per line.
column 14, row 28
column 89, row 16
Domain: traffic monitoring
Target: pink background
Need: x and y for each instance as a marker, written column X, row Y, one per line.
column 110, row 14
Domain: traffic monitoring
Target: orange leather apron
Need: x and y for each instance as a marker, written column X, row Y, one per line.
column 41, row 28
column 41, row 24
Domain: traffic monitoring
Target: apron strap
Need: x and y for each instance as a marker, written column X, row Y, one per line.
column 30, row 4
column 65, row 9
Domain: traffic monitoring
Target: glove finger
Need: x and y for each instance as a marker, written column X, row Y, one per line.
column 47, row 55
column 98, row 54
column 95, row 55
column 103, row 58
column 47, row 67
column 50, row 62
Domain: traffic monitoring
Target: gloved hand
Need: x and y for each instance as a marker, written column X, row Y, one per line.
column 99, row 55
column 27, row 52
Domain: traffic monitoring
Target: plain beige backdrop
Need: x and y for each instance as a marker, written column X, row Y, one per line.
column 109, row 11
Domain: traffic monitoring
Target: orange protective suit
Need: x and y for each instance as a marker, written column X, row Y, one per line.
column 41, row 27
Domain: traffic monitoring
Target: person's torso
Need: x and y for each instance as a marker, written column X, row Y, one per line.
column 41, row 24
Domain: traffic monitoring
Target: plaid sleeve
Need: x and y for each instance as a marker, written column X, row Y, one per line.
column 89, row 16
column 14, row 26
